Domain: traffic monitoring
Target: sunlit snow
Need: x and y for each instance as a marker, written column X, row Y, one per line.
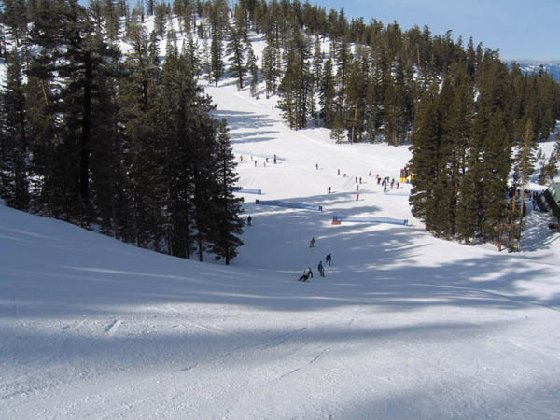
column 403, row 326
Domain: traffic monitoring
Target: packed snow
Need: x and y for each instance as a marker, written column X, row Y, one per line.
column 403, row 325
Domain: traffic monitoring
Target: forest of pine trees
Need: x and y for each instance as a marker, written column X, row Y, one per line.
column 122, row 144
column 125, row 142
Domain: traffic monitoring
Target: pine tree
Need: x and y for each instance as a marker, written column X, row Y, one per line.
column 15, row 17
column 217, row 63
column 496, row 164
column 227, row 208
column 296, row 87
column 523, row 167
column 327, row 93
column 236, row 50
column 270, row 69
column 253, row 69
column 143, row 153
column 14, row 143
column 426, row 141
column 355, row 98
column 338, row 133
column 317, row 63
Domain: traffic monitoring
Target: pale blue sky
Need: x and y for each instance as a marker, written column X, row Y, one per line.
column 520, row 29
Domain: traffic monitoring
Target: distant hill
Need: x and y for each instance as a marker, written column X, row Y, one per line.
column 551, row 68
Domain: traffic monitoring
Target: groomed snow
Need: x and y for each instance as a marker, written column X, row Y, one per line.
column 403, row 326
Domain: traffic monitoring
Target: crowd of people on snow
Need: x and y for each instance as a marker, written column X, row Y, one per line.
column 386, row 182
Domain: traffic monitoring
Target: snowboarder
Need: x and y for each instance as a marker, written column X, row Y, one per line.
column 312, row 242
column 307, row 273
column 321, row 269
column 328, row 259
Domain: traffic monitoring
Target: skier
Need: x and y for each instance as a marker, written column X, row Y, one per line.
column 307, row 273
column 249, row 220
column 321, row 269
column 328, row 259
column 312, row 242
column 329, row 190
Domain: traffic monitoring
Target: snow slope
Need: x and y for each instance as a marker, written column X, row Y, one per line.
column 403, row 326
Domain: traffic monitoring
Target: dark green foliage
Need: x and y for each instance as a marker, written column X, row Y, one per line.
column 296, row 87
column 125, row 145
column 236, row 50
column 461, row 155
column 14, row 141
column 226, row 207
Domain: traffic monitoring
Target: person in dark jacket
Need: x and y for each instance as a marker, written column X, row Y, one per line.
column 307, row 273
column 321, row 269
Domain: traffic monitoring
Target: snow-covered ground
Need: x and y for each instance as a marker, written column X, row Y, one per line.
column 403, row 326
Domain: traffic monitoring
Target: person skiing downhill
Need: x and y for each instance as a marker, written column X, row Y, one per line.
column 321, row 269
column 328, row 260
column 312, row 242
column 307, row 273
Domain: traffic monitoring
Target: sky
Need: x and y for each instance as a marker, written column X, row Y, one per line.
column 519, row 29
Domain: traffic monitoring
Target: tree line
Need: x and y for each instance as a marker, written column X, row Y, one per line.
column 458, row 106
column 122, row 143
column 472, row 121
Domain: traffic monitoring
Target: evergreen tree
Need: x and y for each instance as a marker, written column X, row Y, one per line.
column 14, row 16
column 143, row 152
column 227, row 208
column 355, row 98
column 253, row 69
column 296, row 88
column 236, row 50
column 426, row 141
column 217, row 63
column 14, row 142
column 270, row 69
column 523, row 167
column 338, row 133
column 61, row 31
column 327, row 94
column 496, row 164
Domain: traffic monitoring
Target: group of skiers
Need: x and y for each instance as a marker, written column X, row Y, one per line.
column 308, row 273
